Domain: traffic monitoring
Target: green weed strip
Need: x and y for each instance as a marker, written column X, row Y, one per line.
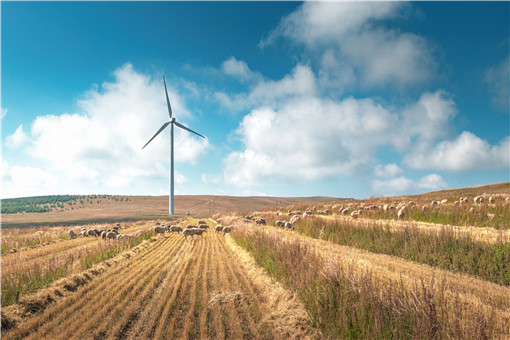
column 445, row 249
column 349, row 304
column 32, row 292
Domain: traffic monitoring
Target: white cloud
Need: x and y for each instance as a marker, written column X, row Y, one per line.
column 309, row 139
column 239, row 69
column 17, row 139
column 351, row 35
column 498, row 80
column 103, row 145
column 210, row 179
column 388, row 170
column 466, row 152
column 300, row 82
column 21, row 181
column 403, row 185
column 180, row 178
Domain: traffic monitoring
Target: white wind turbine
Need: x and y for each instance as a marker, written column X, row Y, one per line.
column 171, row 122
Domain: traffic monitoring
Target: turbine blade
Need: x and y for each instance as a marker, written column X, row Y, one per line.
column 157, row 133
column 167, row 100
column 185, row 128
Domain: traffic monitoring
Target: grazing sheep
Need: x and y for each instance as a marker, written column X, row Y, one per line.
column 425, row 208
column 355, row 214
column 294, row 219
column 160, row 229
column 219, row 228
column 118, row 225
column 112, row 235
column 188, row 232
column 91, row 232
column 248, row 217
column 279, row 223
column 434, row 203
column 385, row 207
column 456, row 203
column 72, row 234
column 401, row 213
column 464, row 200
column 120, row 237
column 478, row 199
column 288, row 225
column 306, row 214
column 175, row 229
column 260, row 220
column 202, row 222
column 198, row 231
column 103, row 234
column 83, row 233
column 203, row 226
column 138, row 233
column 491, row 200
column 246, row 221
column 39, row 233
column 227, row 229
column 345, row 211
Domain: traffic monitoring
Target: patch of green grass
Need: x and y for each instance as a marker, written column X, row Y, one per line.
column 445, row 249
column 345, row 304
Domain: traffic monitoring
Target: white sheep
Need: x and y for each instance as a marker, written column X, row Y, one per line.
column 112, row 235
column 91, row 232
column 294, row 219
column 478, row 199
column 160, row 229
column 175, row 229
column 401, row 213
column 72, row 234
column 288, row 225
column 355, row 214
column 227, row 229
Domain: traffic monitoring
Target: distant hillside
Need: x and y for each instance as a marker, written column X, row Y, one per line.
column 68, row 209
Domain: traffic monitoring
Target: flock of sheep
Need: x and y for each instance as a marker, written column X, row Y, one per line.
column 400, row 208
column 104, row 233
column 190, row 229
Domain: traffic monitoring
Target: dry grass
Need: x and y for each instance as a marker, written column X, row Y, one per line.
column 32, row 268
column 173, row 288
column 352, row 294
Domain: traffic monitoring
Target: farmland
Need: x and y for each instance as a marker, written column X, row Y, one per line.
column 328, row 275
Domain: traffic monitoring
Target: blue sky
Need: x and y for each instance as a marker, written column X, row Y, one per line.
column 296, row 99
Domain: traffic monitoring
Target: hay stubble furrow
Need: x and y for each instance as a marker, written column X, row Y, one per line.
column 173, row 288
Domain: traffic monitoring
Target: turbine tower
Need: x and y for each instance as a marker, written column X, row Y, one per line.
column 171, row 122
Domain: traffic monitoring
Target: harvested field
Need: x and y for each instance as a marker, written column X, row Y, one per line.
column 173, row 288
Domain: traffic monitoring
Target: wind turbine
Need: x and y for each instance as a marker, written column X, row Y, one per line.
column 171, row 122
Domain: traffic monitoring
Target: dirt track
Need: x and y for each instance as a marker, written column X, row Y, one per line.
column 173, row 289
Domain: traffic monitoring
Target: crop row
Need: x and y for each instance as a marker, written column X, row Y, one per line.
column 176, row 288
column 28, row 271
